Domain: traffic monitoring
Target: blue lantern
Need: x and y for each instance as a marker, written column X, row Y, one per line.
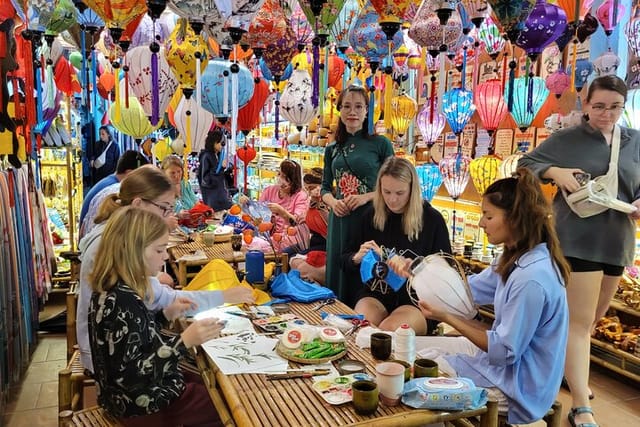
column 430, row 180
column 216, row 87
column 91, row 21
column 458, row 107
column 529, row 93
column 266, row 72
column 584, row 68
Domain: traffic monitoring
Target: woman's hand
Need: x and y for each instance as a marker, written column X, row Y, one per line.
column 171, row 221
column 201, row 331
column 431, row 313
column 636, row 214
column 564, row 178
column 238, row 295
column 165, row 279
column 354, row 201
column 178, row 307
column 340, row 208
column 277, row 209
column 183, row 214
column 364, row 248
column 400, row 265
column 242, row 199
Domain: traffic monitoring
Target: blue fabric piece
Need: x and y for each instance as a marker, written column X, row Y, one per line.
column 324, row 314
column 290, row 285
column 370, row 263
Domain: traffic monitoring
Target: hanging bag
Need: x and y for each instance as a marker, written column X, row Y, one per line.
column 102, row 158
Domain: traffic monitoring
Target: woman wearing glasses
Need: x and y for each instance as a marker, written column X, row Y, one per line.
column 351, row 164
column 146, row 188
column 597, row 247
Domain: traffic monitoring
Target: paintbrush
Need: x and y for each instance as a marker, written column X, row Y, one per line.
column 300, row 374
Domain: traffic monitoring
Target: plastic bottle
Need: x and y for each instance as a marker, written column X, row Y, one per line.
column 405, row 343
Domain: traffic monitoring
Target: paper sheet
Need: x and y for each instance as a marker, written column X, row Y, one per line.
column 235, row 324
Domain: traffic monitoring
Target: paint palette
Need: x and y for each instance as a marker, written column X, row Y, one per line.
column 277, row 324
column 337, row 390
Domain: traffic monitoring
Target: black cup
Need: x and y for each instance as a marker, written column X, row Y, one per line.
column 381, row 345
column 365, row 397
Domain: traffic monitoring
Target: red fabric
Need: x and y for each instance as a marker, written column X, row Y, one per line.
column 193, row 408
column 317, row 221
column 317, row 258
column 198, row 214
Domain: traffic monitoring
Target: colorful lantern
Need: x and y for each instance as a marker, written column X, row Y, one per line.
column 511, row 14
column 278, row 55
column 39, row 14
column 430, row 180
column 249, row 115
column 632, row 31
column 345, row 22
column 609, row 14
column 484, row 171
column 427, row 31
column 185, row 52
column 335, row 71
column 66, row 78
column 321, row 15
column 490, row 104
column 150, row 30
column 457, row 107
column 132, row 121
column 193, row 122
column 545, row 23
column 631, row 115
column 117, row 13
column 403, row 111
column 390, row 14
column 430, row 123
column 584, row 68
column 268, row 26
column 510, row 163
column 368, row 39
column 239, row 15
column 557, row 82
column 64, row 16
column 477, row 10
column 455, row 175
column 295, row 102
column 301, row 27
column 201, row 13
column 529, row 95
column 151, row 80
column 570, row 8
column 606, row 64
column 490, row 35
column 216, row 87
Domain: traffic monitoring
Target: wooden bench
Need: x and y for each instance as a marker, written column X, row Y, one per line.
column 90, row 417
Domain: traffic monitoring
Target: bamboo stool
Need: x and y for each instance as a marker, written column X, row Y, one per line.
column 72, row 304
column 553, row 418
column 71, row 383
column 90, row 417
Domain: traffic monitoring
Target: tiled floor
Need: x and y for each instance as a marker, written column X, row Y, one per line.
column 35, row 402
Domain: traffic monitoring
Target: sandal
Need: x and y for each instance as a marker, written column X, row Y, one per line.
column 565, row 385
column 580, row 410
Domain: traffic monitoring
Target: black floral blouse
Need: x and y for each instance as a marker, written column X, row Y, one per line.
column 135, row 363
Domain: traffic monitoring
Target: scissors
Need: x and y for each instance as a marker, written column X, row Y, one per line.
column 357, row 324
column 323, row 303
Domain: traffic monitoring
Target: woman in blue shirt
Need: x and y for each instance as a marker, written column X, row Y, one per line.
column 520, row 357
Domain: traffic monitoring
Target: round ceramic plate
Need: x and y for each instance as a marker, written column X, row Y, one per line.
column 289, row 354
column 443, row 383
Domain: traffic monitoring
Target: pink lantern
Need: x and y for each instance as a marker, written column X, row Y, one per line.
column 430, row 123
column 427, row 32
column 609, row 16
column 455, row 175
column 557, row 82
column 490, row 104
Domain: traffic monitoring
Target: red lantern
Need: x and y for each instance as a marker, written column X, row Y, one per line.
column 249, row 115
column 66, row 78
column 335, row 70
column 490, row 104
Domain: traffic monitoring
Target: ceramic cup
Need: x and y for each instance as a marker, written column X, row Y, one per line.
column 390, row 379
column 209, row 238
column 425, row 368
column 365, row 397
column 407, row 368
column 380, row 345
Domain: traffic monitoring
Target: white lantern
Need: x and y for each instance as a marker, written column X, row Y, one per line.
column 295, row 103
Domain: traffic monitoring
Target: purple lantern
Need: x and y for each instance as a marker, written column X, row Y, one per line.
column 455, row 175
column 430, row 123
column 543, row 26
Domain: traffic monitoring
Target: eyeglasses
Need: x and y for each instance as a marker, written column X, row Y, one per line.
column 601, row 108
column 166, row 209
column 358, row 108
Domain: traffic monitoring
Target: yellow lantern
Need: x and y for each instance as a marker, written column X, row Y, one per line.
column 403, row 111
column 132, row 121
column 162, row 148
column 484, row 171
column 303, row 61
column 184, row 50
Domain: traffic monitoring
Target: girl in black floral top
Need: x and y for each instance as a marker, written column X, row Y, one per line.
column 135, row 362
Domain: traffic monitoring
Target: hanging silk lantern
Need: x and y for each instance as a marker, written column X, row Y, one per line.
column 631, row 114
column 455, row 173
column 39, row 13
column 588, row 26
column 400, row 56
column 390, row 14
column 300, row 26
column 149, row 30
column 403, row 111
column 609, row 14
column 321, row 15
column 584, row 68
column 268, row 25
column 430, row 180
column 484, row 171
column 334, row 71
column 490, row 36
column 511, row 15
column 570, row 8
column 632, row 31
column 201, row 14
column 239, row 15
column 151, row 80
column 490, row 103
column 249, row 115
column 427, row 32
column 510, row 163
column 63, row 17
column 184, row 52
column 278, row 55
column 193, row 122
column 606, row 64
column 545, row 23
column 345, row 22
column 266, row 72
column 430, row 123
column 295, row 102
column 215, row 84
column 477, row 10
column 557, row 82
column 132, row 121
column 368, row 39
column 117, row 13
column 66, row 78
column 457, row 107
column 529, row 95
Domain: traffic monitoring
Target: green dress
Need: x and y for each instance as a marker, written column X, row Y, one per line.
column 353, row 166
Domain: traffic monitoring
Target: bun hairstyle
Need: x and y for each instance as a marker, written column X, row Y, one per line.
column 313, row 177
column 530, row 218
column 341, row 131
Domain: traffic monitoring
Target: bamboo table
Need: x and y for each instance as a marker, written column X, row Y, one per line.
column 220, row 250
column 251, row 400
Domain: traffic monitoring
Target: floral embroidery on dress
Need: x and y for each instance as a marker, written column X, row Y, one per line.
column 349, row 184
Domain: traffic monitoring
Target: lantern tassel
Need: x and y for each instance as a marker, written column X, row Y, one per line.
column 39, row 96
column 372, row 104
column 231, row 148
column 51, row 86
column 277, row 112
column 441, row 80
column 198, row 76
column 574, row 59
column 85, row 80
column 316, row 75
column 116, row 108
column 126, row 83
column 325, row 84
column 225, row 95
column 388, row 94
column 155, row 91
column 464, row 68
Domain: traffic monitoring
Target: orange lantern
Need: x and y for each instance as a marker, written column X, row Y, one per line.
column 117, row 13
column 249, row 115
column 268, row 26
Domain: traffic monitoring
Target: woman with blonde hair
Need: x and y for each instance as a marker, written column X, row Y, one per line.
column 398, row 221
column 173, row 167
column 149, row 189
column 135, row 361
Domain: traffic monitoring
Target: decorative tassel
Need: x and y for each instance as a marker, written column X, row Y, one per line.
column 94, row 86
column 198, row 76
column 225, row 94
column 277, row 112
column 51, row 85
column 39, row 96
column 155, row 91
column 126, row 83
column 463, row 73
column 187, row 141
column 504, row 71
column 116, row 108
column 512, row 80
column 325, row 84
column 574, row 59
column 442, row 78
column 388, row 94
column 231, row 147
column 432, row 99
column 316, row 75
column 85, row 91
column 372, row 103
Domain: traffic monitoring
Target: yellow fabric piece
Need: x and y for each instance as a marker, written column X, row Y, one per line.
column 218, row 275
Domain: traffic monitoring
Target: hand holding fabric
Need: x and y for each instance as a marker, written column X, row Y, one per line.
column 201, row 331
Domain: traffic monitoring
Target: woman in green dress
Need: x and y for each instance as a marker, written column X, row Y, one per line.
column 352, row 164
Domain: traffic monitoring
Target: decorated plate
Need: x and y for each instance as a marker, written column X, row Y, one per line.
column 294, row 355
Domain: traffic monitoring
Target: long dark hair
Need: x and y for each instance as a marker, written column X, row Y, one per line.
column 341, row 131
column 213, row 137
column 292, row 171
column 530, row 218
